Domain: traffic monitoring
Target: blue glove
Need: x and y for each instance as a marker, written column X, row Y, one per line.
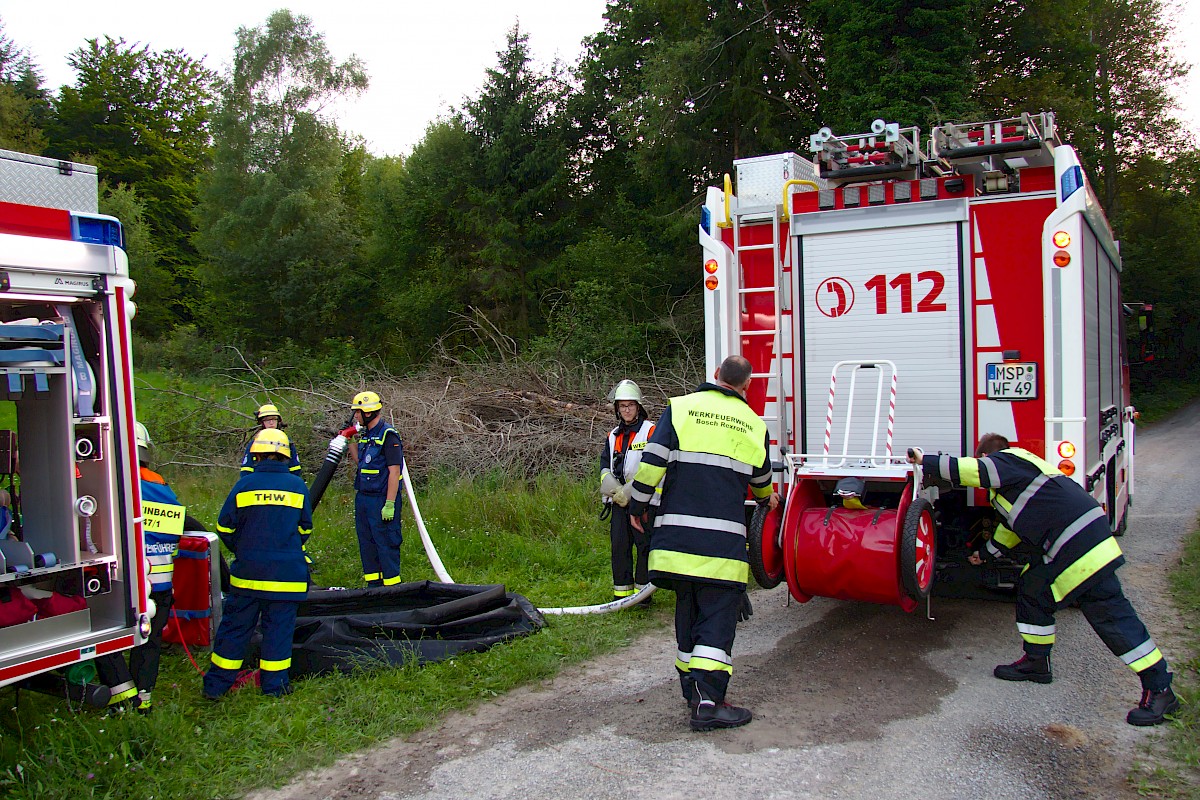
column 389, row 511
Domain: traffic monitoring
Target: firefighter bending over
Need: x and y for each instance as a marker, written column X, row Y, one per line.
column 707, row 448
column 1040, row 506
column 265, row 522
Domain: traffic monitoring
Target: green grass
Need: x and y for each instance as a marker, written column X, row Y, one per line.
column 541, row 539
column 1178, row 775
column 1164, row 397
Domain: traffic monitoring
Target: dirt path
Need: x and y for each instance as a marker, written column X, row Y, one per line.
column 851, row 701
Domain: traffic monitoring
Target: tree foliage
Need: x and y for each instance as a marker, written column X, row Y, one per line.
column 279, row 223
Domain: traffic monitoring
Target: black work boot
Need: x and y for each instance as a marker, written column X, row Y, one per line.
column 1026, row 669
column 1153, row 708
column 709, row 715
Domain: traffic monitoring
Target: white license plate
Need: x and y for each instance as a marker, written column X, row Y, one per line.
column 1012, row 381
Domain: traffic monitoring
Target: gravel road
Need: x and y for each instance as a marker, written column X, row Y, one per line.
column 851, row 701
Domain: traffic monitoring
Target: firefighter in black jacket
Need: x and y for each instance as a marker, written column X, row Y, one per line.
column 706, row 449
column 1076, row 559
column 618, row 464
column 265, row 521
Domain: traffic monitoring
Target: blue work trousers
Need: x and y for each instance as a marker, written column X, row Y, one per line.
column 378, row 541
column 238, row 620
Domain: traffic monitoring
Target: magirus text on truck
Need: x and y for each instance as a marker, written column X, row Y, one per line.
column 897, row 291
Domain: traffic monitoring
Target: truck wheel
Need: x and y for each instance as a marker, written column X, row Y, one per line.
column 766, row 554
column 918, row 544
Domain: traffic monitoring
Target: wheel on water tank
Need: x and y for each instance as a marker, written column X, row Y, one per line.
column 766, row 554
column 918, row 546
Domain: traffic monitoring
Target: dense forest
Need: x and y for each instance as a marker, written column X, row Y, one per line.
column 556, row 211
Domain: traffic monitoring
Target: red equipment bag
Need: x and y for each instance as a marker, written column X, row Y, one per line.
column 15, row 607
column 57, row 604
column 191, row 613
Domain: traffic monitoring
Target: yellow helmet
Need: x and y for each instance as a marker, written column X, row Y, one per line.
column 366, row 402
column 271, row 440
column 267, row 410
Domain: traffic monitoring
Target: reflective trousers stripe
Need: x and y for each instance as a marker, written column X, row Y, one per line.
column 391, row 581
column 274, row 666
column 226, row 663
column 1085, row 567
column 709, row 665
column 712, row 654
column 1144, row 655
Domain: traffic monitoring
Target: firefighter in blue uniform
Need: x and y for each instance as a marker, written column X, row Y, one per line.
column 1075, row 560
column 265, row 522
column 707, row 448
column 161, row 533
column 268, row 417
column 378, row 458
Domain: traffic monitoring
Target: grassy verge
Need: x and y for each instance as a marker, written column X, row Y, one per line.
column 1178, row 776
column 1158, row 401
column 541, row 539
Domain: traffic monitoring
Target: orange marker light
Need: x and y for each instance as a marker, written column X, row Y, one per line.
column 1062, row 258
column 1061, row 239
column 1066, row 467
column 1066, row 450
column 710, row 282
column 710, row 266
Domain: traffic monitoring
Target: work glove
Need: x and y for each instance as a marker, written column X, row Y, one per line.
column 621, row 496
column 609, row 484
column 915, row 454
column 349, row 433
column 389, row 511
column 745, row 609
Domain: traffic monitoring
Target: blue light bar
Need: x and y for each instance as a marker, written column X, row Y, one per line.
column 97, row 229
column 706, row 220
column 1072, row 181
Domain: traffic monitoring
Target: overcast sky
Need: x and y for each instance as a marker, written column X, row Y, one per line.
column 421, row 57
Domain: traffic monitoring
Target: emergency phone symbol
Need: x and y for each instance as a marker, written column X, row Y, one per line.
column 835, row 297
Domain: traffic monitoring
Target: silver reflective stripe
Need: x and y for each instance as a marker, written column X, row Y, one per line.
column 992, row 473
column 944, row 466
column 656, row 449
column 682, row 656
column 1035, row 630
column 712, row 653
column 711, row 460
column 762, row 480
column 991, row 548
column 626, row 588
column 638, row 494
column 1142, row 650
column 703, row 523
column 1026, row 496
column 1074, row 528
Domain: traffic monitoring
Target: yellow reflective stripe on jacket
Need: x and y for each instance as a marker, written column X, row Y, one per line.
column 270, row 497
column 269, row 586
column 720, row 569
column 1085, row 567
column 223, row 529
column 1005, row 537
column 274, row 666
column 369, row 471
column 226, row 663
column 711, row 422
column 968, row 471
column 155, row 569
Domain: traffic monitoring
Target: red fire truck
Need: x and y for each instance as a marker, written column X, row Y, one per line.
column 73, row 584
column 892, row 293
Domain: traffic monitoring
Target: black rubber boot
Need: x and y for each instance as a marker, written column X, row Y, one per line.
column 1153, row 708
column 708, row 715
column 1026, row 669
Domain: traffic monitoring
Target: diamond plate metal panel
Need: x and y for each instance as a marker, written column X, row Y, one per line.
column 760, row 180
column 37, row 181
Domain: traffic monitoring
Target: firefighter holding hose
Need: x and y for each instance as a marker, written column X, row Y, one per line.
column 618, row 464
column 1079, row 557
column 378, row 458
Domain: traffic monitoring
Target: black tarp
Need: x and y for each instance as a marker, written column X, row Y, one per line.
column 339, row 630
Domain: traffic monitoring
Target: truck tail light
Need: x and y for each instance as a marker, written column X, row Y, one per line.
column 1066, row 467
column 710, row 282
column 1062, row 258
column 1062, row 239
column 710, row 266
column 1066, row 450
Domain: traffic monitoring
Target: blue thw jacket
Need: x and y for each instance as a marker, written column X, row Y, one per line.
column 266, row 521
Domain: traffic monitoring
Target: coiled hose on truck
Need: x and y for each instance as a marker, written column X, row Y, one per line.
column 333, row 457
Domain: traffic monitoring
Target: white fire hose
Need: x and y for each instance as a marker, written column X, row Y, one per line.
column 439, row 568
